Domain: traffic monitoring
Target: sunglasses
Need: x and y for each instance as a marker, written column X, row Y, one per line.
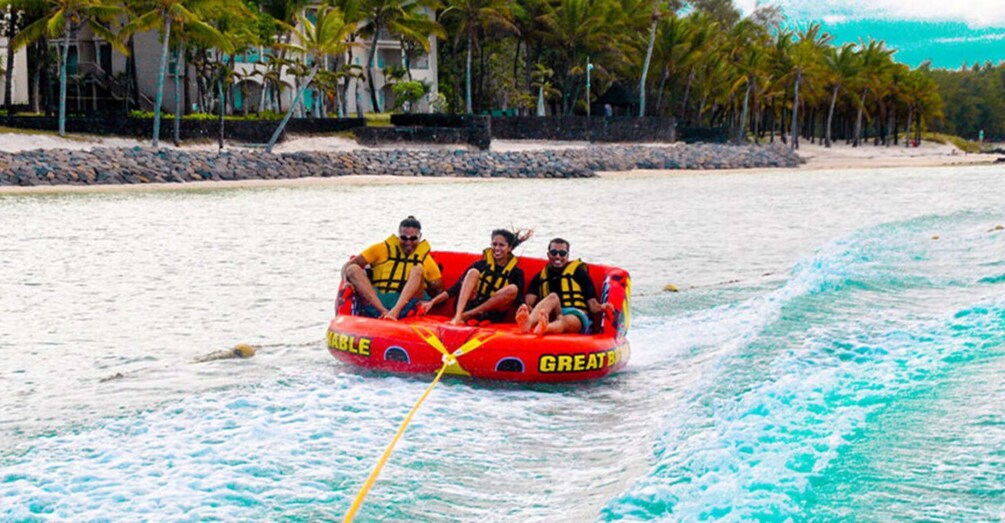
column 558, row 252
column 409, row 238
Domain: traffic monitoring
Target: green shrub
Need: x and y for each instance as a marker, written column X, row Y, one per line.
column 962, row 144
column 266, row 115
column 378, row 119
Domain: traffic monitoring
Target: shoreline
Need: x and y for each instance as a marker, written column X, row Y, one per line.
column 813, row 157
column 211, row 185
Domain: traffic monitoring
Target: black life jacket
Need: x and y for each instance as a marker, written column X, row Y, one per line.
column 495, row 277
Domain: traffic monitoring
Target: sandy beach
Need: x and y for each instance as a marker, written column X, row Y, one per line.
column 816, row 157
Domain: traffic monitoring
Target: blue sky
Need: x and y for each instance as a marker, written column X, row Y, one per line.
column 947, row 32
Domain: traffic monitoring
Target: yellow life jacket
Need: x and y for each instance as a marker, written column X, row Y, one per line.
column 569, row 292
column 391, row 274
column 495, row 277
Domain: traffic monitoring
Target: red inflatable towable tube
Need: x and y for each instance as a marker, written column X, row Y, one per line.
column 495, row 352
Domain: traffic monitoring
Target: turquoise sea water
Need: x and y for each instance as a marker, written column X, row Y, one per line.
column 836, row 352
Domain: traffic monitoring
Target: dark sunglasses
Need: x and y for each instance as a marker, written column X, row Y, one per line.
column 558, row 252
column 409, row 238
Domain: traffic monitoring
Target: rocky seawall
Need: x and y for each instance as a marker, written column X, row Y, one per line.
column 103, row 166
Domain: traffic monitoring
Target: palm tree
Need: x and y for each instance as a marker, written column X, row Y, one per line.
column 921, row 95
column 657, row 13
column 749, row 55
column 582, row 29
column 703, row 44
column 875, row 60
column 61, row 18
column 316, row 41
column 473, row 17
column 841, row 65
column 406, row 18
column 534, row 21
column 674, row 47
column 162, row 16
column 806, row 55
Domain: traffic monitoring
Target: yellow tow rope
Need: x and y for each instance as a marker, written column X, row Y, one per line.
column 449, row 359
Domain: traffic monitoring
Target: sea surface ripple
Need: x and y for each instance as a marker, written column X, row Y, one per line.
column 836, row 352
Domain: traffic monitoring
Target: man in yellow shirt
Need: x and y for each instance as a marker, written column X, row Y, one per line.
column 402, row 270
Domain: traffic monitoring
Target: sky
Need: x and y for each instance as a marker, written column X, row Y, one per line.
column 947, row 32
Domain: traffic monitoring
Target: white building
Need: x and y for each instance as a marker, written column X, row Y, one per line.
column 103, row 72
column 19, row 82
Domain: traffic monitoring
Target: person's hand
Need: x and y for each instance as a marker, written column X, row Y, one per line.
column 607, row 309
column 391, row 315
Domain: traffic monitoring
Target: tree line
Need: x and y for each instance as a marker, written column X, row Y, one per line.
column 699, row 62
column 974, row 101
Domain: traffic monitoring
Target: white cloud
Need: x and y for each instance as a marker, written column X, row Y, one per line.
column 975, row 13
column 965, row 39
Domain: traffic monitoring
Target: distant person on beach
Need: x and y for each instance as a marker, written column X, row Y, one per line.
column 491, row 286
column 401, row 269
column 569, row 296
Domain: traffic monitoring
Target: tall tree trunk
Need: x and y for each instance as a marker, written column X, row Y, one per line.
column 795, row 113
column 176, row 136
column 830, row 115
column 50, row 98
column 36, row 89
column 132, row 82
column 186, row 85
column 346, row 79
column 528, row 66
column 645, row 64
column 8, row 102
column 743, row 116
column 878, row 125
column 857, row 139
column 359, row 101
column 659, row 95
column 286, row 119
column 62, row 78
column 910, row 120
column 891, row 122
column 160, row 81
column 467, row 74
column 370, row 70
column 687, row 93
column 516, row 66
column 223, row 105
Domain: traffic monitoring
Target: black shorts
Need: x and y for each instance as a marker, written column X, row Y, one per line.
column 490, row 316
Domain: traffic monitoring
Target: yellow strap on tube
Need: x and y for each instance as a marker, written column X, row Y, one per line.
column 448, row 359
column 358, row 502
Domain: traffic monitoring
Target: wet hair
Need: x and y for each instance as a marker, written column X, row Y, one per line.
column 410, row 222
column 559, row 240
column 513, row 238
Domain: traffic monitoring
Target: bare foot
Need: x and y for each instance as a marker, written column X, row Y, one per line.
column 391, row 315
column 542, row 325
column 523, row 317
column 456, row 320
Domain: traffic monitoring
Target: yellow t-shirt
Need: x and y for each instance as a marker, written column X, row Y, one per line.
column 378, row 253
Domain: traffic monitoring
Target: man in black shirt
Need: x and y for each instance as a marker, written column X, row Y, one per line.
column 567, row 295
